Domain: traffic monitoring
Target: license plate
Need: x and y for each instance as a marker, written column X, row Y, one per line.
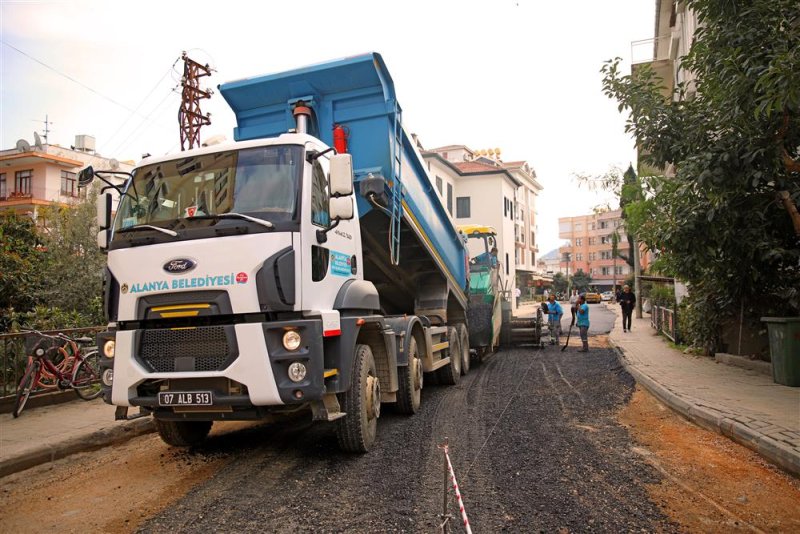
column 185, row 398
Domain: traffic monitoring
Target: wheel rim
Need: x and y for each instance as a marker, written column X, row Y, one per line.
column 373, row 404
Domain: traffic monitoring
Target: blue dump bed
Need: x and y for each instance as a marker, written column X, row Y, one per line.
column 358, row 93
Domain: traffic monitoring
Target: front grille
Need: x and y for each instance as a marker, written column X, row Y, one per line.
column 187, row 349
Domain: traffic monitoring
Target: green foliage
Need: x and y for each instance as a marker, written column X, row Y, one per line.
column 581, row 281
column 73, row 270
column 560, row 283
column 20, row 265
column 732, row 140
column 662, row 295
column 51, row 276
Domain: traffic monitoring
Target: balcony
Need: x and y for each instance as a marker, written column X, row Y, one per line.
column 659, row 53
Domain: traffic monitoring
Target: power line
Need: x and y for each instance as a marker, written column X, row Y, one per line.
column 68, row 77
column 130, row 116
column 136, row 131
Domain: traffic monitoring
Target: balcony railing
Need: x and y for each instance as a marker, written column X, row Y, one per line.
column 649, row 50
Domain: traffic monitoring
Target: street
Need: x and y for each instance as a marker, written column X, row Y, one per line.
column 540, row 440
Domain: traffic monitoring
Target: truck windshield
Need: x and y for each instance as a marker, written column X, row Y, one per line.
column 261, row 182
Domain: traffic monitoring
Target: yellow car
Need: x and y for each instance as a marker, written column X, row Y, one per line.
column 593, row 298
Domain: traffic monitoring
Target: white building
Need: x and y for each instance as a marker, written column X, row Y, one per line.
column 481, row 189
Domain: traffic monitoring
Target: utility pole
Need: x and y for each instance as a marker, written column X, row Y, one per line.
column 190, row 116
column 637, row 281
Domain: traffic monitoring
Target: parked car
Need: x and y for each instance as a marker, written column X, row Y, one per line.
column 593, row 298
column 606, row 296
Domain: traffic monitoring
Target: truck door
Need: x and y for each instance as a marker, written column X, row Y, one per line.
column 331, row 261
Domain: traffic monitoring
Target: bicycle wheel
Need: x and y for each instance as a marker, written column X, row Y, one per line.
column 25, row 387
column 86, row 379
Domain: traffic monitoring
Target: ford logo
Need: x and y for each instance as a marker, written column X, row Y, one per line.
column 179, row 265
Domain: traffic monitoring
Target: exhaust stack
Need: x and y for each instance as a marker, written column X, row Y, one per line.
column 302, row 114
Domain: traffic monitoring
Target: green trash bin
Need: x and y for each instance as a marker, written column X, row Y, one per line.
column 784, row 349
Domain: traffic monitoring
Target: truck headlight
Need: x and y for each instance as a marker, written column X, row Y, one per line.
column 291, row 340
column 297, row 372
column 108, row 348
column 107, row 378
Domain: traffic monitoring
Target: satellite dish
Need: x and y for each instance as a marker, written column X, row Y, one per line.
column 114, row 164
column 37, row 141
column 23, row 146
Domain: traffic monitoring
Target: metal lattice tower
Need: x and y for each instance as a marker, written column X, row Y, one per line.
column 190, row 116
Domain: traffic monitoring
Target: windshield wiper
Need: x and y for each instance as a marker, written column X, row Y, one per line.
column 233, row 215
column 139, row 227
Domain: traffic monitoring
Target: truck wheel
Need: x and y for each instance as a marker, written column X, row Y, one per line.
column 451, row 374
column 464, row 339
column 183, row 433
column 362, row 404
column 410, row 381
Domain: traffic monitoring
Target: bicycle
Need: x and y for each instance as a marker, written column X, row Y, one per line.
column 75, row 369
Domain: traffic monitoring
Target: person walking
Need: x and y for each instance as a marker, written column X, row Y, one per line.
column 554, row 314
column 627, row 301
column 518, row 295
column 583, row 322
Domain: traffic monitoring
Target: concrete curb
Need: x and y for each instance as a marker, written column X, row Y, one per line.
column 92, row 441
column 772, row 450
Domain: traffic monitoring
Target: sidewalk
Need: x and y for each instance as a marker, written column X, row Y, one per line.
column 48, row 433
column 744, row 405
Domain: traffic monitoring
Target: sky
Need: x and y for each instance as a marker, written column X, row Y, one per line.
column 519, row 75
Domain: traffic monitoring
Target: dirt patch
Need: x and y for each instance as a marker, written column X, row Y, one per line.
column 110, row 490
column 709, row 482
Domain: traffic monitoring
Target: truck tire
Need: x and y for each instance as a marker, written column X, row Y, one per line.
column 361, row 404
column 183, row 433
column 410, row 381
column 451, row 374
column 464, row 339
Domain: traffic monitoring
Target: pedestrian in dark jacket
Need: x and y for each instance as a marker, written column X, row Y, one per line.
column 627, row 301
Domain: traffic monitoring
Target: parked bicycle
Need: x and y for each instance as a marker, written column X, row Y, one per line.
column 59, row 361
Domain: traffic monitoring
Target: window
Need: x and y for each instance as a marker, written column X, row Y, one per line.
column 532, row 259
column 3, row 186
column 592, row 241
column 450, row 198
column 592, row 256
column 319, row 196
column 591, row 226
column 578, row 242
column 605, row 240
column 462, row 207
column 22, row 182
column 619, row 269
column 578, row 227
column 68, row 184
column 439, row 185
column 533, row 238
column 578, row 257
column 516, row 256
column 605, row 270
column 603, row 224
column 507, row 271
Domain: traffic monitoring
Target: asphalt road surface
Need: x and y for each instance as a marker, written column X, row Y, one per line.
column 534, row 443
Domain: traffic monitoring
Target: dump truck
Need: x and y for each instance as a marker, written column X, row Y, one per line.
column 307, row 265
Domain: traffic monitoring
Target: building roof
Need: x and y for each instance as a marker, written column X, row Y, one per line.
column 477, row 166
column 32, row 157
column 448, row 147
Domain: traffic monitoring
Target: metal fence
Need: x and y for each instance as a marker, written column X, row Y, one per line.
column 13, row 358
column 665, row 321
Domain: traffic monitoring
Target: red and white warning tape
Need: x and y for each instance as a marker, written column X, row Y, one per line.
column 458, row 493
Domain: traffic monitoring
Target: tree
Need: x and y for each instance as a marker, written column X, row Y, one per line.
column 560, row 283
column 727, row 221
column 581, row 281
column 20, row 266
column 73, row 270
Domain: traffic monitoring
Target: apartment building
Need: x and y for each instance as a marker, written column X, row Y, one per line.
column 477, row 187
column 38, row 175
column 589, row 247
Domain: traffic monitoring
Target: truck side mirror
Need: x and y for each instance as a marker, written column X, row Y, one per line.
column 102, row 239
column 104, row 210
column 341, row 177
column 86, row 176
column 341, row 208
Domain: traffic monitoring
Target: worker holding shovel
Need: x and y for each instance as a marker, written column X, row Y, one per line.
column 554, row 313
